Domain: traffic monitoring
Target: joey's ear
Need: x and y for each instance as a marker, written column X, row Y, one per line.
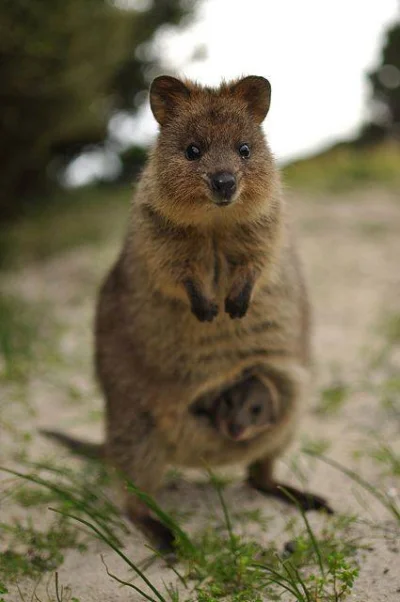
column 166, row 93
column 256, row 92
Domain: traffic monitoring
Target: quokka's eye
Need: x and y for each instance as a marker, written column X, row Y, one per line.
column 255, row 410
column 244, row 151
column 192, row 152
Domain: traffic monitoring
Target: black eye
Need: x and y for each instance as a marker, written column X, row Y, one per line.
column 192, row 152
column 244, row 151
column 255, row 410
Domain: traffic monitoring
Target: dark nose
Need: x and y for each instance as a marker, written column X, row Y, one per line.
column 224, row 185
column 235, row 430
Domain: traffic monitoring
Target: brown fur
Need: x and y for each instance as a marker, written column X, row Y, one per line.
column 165, row 333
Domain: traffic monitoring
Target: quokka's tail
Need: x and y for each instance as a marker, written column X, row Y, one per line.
column 95, row 451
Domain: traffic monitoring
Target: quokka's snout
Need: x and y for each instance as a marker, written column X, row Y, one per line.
column 223, row 185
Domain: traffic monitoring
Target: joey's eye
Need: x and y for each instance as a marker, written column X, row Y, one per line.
column 255, row 410
column 244, row 151
column 192, row 152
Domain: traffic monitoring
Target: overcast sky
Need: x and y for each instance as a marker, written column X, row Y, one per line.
column 315, row 54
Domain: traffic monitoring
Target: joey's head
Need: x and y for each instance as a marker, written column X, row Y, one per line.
column 211, row 158
column 244, row 411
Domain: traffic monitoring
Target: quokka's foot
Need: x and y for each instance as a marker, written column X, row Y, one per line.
column 160, row 536
column 305, row 500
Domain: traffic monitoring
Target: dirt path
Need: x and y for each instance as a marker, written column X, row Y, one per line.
column 351, row 252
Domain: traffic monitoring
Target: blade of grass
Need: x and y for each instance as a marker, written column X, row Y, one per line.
column 115, row 518
column 158, row 554
column 309, row 530
column 367, row 486
column 298, row 577
column 126, row 583
column 227, row 518
column 281, row 580
column 111, row 544
column 66, row 495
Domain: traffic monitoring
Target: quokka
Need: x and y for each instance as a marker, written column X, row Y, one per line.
column 206, row 293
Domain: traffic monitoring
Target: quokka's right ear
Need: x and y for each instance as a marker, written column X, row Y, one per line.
column 166, row 94
column 256, row 92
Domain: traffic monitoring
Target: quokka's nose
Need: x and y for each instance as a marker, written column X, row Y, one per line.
column 235, row 430
column 224, row 185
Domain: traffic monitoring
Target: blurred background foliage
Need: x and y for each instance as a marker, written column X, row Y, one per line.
column 66, row 68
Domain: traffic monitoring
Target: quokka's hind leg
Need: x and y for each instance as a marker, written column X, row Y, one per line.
column 135, row 451
column 261, row 478
column 288, row 385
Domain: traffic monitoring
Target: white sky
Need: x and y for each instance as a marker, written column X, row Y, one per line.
column 314, row 52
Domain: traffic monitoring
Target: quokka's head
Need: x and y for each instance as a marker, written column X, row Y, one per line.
column 245, row 410
column 211, row 157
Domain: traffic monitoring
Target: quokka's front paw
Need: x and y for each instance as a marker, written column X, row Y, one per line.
column 204, row 309
column 237, row 306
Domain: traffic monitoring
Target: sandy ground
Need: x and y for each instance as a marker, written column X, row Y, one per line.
column 351, row 249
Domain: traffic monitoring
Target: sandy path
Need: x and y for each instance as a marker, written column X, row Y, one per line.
column 351, row 249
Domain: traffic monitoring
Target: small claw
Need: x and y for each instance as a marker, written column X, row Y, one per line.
column 237, row 306
column 205, row 312
column 235, row 309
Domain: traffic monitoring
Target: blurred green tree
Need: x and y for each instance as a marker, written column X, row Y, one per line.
column 66, row 67
column 385, row 82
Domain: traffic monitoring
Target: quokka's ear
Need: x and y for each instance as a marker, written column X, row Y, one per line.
column 166, row 93
column 256, row 92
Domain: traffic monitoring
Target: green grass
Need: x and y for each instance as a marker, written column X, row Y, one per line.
column 332, row 399
column 29, row 339
column 390, row 396
column 390, row 329
column 385, row 457
column 315, row 446
column 32, row 551
column 3, row 591
column 19, row 335
column 382, row 364
column 344, row 168
column 55, row 592
column 215, row 564
column 221, row 565
column 85, row 216
column 28, row 350
column 29, row 551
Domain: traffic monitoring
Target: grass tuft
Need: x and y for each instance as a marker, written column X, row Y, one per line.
column 218, row 563
column 19, row 334
column 332, row 399
column 30, row 551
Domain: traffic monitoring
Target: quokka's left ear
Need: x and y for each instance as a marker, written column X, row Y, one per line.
column 256, row 92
